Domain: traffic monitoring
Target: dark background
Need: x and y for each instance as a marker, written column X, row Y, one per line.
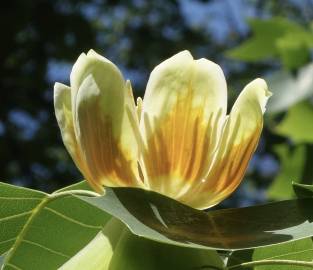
column 40, row 40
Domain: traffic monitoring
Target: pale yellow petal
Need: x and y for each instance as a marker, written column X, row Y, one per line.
column 103, row 124
column 182, row 112
column 238, row 143
column 139, row 107
column 63, row 112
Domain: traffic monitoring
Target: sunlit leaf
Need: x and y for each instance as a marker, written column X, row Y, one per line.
column 99, row 252
column 83, row 185
column 127, row 251
column 263, row 42
column 276, row 37
column 293, row 49
column 292, row 163
column 162, row 219
column 288, row 89
column 17, row 205
column 301, row 250
column 40, row 234
column 297, row 124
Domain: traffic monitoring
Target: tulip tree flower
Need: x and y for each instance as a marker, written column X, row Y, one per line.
column 177, row 141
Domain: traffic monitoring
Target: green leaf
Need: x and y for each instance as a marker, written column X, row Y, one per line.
column 99, row 252
column 291, row 168
column 262, row 44
column 301, row 250
column 39, row 231
column 276, row 37
column 82, row 185
column 288, row 89
column 297, row 124
column 127, row 251
column 17, row 205
column 58, row 226
column 293, row 50
column 162, row 219
column 302, row 190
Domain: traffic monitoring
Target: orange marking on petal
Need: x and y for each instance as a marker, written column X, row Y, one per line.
column 75, row 151
column 227, row 172
column 108, row 163
column 179, row 146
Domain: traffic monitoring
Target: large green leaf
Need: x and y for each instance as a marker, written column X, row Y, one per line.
column 57, row 226
column 162, row 219
column 289, row 89
column 39, row 231
column 297, row 124
column 117, row 248
column 301, row 250
column 291, row 168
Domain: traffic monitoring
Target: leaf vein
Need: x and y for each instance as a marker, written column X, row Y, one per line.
column 20, row 198
column 46, row 248
column 290, row 253
column 73, row 220
column 8, row 240
column 239, row 260
column 13, row 266
column 16, row 216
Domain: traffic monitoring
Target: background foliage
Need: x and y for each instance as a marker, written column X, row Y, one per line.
column 250, row 38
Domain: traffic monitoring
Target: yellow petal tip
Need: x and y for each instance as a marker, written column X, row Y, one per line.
column 261, row 83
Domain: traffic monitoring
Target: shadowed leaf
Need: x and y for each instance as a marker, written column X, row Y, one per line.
column 160, row 218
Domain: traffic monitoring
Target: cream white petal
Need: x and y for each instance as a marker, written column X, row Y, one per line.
column 238, row 143
column 103, row 127
column 63, row 112
column 182, row 113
